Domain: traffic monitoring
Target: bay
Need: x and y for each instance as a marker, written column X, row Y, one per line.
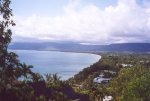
column 65, row 64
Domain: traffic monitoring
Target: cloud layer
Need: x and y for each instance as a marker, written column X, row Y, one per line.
column 128, row 21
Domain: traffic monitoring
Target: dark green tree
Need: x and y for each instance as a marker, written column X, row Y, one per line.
column 7, row 60
column 11, row 70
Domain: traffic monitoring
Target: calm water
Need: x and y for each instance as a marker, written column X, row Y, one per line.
column 65, row 64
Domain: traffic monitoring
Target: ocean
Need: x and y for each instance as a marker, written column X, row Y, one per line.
column 65, row 64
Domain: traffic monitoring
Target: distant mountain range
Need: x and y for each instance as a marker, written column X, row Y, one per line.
column 123, row 47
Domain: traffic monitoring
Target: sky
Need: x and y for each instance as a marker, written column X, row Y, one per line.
column 81, row 21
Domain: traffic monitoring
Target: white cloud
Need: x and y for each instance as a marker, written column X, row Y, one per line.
column 125, row 22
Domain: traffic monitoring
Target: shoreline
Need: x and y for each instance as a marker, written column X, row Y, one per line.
column 61, row 51
column 90, row 53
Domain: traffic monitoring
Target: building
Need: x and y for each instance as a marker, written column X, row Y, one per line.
column 108, row 98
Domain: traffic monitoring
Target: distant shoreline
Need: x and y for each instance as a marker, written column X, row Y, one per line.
column 62, row 51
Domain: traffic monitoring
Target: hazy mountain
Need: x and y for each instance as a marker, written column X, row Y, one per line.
column 130, row 47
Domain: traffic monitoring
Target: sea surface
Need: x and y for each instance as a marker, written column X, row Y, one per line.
column 65, row 64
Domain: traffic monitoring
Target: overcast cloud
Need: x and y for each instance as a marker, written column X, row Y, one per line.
column 126, row 22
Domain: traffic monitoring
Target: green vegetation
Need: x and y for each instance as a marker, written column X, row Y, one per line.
column 131, row 84
column 128, row 83
column 17, row 81
column 127, row 75
column 10, row 67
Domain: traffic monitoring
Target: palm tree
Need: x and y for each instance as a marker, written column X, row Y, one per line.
column 36, row 77
column 26, row 70
column 53, row 81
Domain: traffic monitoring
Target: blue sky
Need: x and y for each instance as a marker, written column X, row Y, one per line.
column 46, row 7
column 51, row 7
column 83, row 21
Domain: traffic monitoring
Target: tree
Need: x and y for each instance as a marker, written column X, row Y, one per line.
column 132, row 84
column 10, row 67
column 138, row 89
column 6, row 58
column 53, row 81
column 5, row 32
column 36, row 77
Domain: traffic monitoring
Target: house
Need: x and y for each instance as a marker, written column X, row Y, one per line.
column 108, row 98
column 100, row 80
column 112, row 72
column 126, row 65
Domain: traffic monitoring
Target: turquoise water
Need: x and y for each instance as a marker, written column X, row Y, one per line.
column 65, row 64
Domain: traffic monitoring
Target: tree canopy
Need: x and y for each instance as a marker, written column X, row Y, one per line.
column 131, row 84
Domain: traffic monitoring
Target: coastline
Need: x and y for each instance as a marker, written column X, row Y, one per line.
column 62, row 51
column 65, row 77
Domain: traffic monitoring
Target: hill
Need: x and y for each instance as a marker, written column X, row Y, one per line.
column 123, row 47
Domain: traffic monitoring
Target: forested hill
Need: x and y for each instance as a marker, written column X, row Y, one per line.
column 123, row 47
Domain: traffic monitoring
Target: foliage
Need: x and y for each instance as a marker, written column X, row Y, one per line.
column 127, row 83
column 13, row 74
column 53, row 81
column 59, row 96
column 132, row 84
column 92, row 70
column 16, row 79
